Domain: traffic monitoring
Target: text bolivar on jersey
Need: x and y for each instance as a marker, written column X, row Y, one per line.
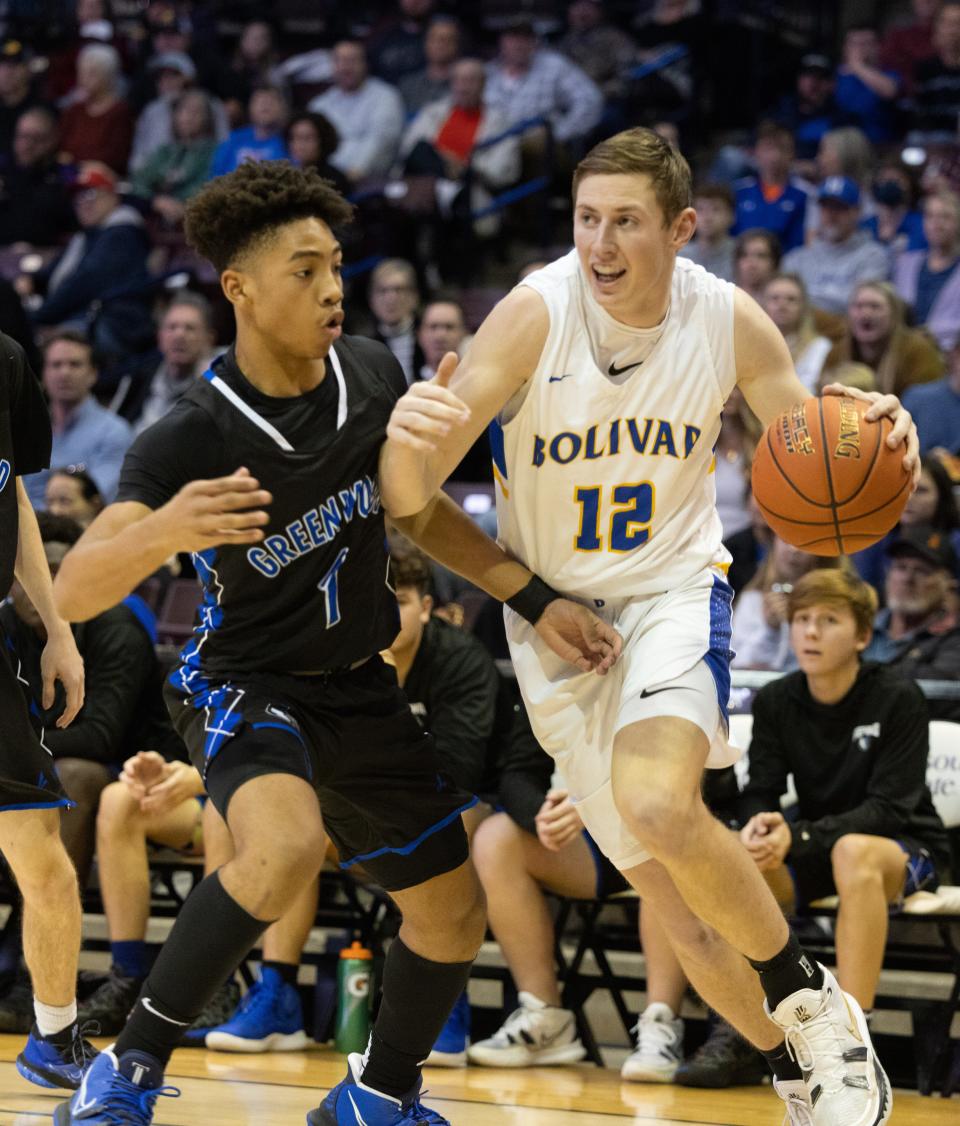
column 317, row 527
column 655, row 437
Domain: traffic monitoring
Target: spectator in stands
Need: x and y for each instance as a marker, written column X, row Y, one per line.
column 929, row 281
column 527, row 80
column 866, row 91
column 394, row 298
column 366, row 112
column 99, row 125
column 176, row 74
column 854, row 737
column 84, row 433
column 603, row 51
column 906, row 44
column 788, row 306
column 897, row 223
column 101, row 278
column 713, row 246
column 878, row 337
column 441, row 48
column 185, row 347
column 178, row 168
column 841, row 255
column 937, row 79
column 442, row 330
column 756, row 258
column 441, row 138
column 811, row 110
column 771, row 199
column 311, row 141
column 843, row 152
column 34, row 198
column 73, row 493
column 917, row 635
column 761, row 630
column 397, row 48
column 930, row 506
column 254, row 63
column 262, row 139
column 156, row 800
column 123, row 707
column 936, row 408
column 17, row 92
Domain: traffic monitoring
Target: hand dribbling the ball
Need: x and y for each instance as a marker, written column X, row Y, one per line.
column 904, row 428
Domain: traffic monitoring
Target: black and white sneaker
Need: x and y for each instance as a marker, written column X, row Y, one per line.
column 659, row 1048
column 533, row 1035
column 827, row 1034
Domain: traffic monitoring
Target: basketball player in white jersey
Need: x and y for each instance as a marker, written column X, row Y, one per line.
column 605, row 374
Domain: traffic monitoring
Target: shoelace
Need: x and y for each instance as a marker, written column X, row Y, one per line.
column 419, row 1115
column 798, row 1114
column 816, row 1045
column 130, row 1105
column 82, row 1050
column 653, row 1035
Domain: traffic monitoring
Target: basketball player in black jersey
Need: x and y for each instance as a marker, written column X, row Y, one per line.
column 280, row 695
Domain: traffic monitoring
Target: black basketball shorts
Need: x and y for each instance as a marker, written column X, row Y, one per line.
column 28, row 777
column 352, row 736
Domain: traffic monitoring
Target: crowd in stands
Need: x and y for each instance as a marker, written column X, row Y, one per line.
column 836, row 207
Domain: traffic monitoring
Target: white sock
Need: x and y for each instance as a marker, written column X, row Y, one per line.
column 52, row 1019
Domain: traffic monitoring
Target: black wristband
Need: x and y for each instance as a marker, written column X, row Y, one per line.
column 531, row 601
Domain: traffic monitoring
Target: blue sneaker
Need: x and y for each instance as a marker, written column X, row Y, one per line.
column 56, row 1061
column 268, row 1019
column 450, row 1049
column 352, row 1104
column 116, row 1092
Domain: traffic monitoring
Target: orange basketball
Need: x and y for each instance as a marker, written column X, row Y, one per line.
column 825, row 478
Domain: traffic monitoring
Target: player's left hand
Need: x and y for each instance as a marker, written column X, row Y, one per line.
column 424, row 416
column 575, row 633
column 61, row 661
column 889, row 406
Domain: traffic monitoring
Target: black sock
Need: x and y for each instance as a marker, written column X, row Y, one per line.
column 287, row 972
column 782, row 1064
column 788, row 972
column 418, row 996
column 211, row 936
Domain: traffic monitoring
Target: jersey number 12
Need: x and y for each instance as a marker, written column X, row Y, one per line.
column 629, row 527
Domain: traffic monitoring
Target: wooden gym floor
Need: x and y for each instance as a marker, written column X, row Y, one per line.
column 278, row 1090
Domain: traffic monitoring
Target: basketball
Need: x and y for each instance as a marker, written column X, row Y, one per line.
column 825, row 479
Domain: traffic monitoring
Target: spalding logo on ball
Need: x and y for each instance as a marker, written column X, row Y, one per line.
column 825, row 479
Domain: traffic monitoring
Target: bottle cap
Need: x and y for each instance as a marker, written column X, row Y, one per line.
column 355, row 950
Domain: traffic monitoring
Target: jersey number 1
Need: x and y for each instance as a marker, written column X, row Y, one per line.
column 633, row 507
column 330, row 586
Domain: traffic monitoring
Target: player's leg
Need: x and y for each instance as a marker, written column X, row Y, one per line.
column 84, row 782
column 514, row 867
column 31, row 843
column 122, row 863
column 869, row 874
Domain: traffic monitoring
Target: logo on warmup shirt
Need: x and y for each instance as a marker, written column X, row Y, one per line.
column 864, row 735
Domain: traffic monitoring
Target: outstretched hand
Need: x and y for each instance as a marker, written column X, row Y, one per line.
column 427, row 412
column 575, row 633
column 904, row 428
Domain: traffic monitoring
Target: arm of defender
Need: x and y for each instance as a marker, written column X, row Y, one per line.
column 766, row 375
column 433, row 425
column 128, row 541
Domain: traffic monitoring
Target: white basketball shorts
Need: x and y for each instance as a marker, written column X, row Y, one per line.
column 676, row 640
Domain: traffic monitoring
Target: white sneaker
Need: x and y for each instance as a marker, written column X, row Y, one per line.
column 533, row 1035
column 659, row 1046
column 794, row 1093
column 827, row 1034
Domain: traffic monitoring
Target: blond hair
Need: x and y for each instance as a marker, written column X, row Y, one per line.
column 838, row 587
column 641, row 152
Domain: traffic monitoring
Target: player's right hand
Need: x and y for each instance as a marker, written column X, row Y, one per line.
column 558, row 821
column 226, row 510
column 575, row 633
column 424, row 416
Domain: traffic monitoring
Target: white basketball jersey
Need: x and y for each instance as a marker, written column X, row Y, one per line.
column 605, row 482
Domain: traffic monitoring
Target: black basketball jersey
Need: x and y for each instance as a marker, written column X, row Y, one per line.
column 25, row 443
column 313, row 594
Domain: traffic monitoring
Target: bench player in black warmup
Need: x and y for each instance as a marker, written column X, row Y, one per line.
column 31, row 796
column 281, row 696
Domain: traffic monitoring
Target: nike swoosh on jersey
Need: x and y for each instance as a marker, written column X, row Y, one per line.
column 560, row 378
column 669, row 688
column 614, row 370
column 145, row 1001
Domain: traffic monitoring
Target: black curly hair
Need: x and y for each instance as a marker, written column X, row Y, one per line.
column 230, row 215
